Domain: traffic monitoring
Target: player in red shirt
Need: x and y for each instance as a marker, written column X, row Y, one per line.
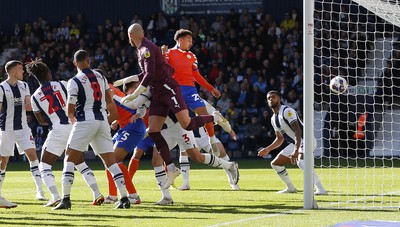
column 186, row 73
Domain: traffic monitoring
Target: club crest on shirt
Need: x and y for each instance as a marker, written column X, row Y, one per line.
column 289, row 113
column 188, row 56
column 147, row 53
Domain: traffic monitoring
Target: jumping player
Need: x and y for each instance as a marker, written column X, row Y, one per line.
column 166, row 94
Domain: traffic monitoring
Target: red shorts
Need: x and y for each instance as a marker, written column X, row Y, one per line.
column 165, row 99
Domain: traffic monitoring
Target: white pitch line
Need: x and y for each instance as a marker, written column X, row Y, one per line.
column 256, row 218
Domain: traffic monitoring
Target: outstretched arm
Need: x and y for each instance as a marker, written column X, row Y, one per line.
column 277, row 143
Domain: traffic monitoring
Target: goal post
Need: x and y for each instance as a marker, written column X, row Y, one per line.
column 357, row 132
column 308, row 107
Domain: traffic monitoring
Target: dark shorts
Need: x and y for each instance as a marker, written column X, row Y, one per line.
column 165, row 99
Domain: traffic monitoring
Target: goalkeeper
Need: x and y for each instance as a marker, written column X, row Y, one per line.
column 157, row 75
column 288, row 127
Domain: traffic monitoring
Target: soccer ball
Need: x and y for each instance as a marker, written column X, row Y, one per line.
column 338, row 85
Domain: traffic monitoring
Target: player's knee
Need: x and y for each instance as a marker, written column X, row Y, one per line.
column 277, row 168
column 138, row 153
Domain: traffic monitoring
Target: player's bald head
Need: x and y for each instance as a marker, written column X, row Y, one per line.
column 135, row 29
column 135, row 34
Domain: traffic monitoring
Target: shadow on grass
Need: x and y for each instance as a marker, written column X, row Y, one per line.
column 81, row 216
column 10, row 222
column 221, row 209
column 230, row 190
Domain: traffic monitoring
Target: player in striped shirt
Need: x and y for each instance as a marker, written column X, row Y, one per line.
column 14, row 129
column 131, row 131
column 49, row 106
column 88, row 97
column 288, row 127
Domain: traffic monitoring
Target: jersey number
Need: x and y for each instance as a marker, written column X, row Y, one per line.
column 125, row 136
column 186, row 138
column 50, row 99
column 96, row 91
column 196, row 97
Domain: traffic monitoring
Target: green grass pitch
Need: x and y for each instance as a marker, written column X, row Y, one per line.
column 210, row 202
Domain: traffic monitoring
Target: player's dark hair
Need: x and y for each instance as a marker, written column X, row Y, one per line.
column 80, row 55
column 181, row 33
column 38, row 69
column 11, row 64
column 273, row 92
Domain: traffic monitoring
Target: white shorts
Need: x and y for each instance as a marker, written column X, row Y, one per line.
column 57, row 138
column 288, row 150
column 203, row 142
column 23, row 138
column 93, row 132
column 176, row 135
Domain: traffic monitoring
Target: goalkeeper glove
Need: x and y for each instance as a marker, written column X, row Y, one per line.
column 139, row 90
column 133, row 78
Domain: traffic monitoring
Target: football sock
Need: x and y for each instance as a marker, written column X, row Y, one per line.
column 34, row 166
column 89, row 178
column 317, row 182
column 118, row 179
column 210, row 130
column 211, row 160
column 162, row 146
column 284, row 175
column 112, row 189
column 128, row 180
column 2, row 177
column 48, row 179
column 228, row 174
column 185, row 167
column 161, row 178
column 133, row 166
column 67, row 178
column 198, row 121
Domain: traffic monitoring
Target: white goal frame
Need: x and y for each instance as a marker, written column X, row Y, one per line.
column 308, row 108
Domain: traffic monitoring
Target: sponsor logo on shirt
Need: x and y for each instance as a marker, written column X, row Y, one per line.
column 17, row 101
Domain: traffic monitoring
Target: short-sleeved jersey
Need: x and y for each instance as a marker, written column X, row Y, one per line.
column 88, row 88
column 185, row 66
column 51, row 99
column 155, row 70
column 13, row 113
column 124, row 113
column 282, row 123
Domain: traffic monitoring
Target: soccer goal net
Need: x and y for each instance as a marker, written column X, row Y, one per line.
column 358, row 132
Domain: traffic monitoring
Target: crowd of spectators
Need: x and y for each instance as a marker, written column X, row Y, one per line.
column 244, row 55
